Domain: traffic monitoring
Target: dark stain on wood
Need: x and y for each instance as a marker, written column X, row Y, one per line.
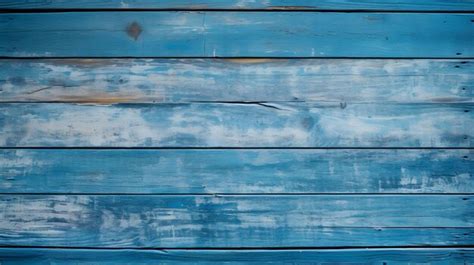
column 445, row 100
column 134, row 30
column 308, row 123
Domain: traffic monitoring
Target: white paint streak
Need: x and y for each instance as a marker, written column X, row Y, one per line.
column 43, row 216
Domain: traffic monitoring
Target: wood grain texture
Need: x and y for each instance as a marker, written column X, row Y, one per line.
column 262, row 80
column 236, row 171
column 408, row 84
column 395, row 5
column 236, row 34
column 237, row 125
column 224, row 221
column 299, row 256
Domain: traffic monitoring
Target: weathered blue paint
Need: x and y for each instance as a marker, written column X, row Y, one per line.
column 236, row 171
column 395, row 5
column 395, row 256
column 237, row 34
column 236, row 221
column 237, row 125
column 263, row 80
column 58, row 206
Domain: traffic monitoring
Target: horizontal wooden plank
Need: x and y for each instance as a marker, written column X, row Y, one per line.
column 236, row 34
column 224, row 221
column 236, row 171
column 388, row 5
column 188, row 80
column 237, row 125
column 299, row 256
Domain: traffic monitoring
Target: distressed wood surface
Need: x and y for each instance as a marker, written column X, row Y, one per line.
column 263, row 80
column 299, row 256
column 224, row 221
column 236, row 171
column 236, row 34
column 389, row 5
column 408, row 84
column 237, row 125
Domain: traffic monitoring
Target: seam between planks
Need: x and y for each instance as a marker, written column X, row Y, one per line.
column 249, row 10
column 470, row 247
column 234, row 58
column 224, row 148
column 240, row 194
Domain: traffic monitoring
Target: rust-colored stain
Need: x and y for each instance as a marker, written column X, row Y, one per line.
column 85, row 63
column 134, row 30
column 97, row 100
column 86, row 97
column 104, row 99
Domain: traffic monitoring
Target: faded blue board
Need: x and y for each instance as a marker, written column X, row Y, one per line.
column 236, row 171
column 425, row 5
column 390, row 256
column 386, row 78
column 236, row 221
column 237, row 34
column 263, row 80
column 237, row 125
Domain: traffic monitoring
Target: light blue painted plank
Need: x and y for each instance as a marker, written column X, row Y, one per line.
column 237, row 125
column 188, row 80
column 237, row 34
column 425, row 5
column 236, row 171
column 390, row 256
column 236, row 221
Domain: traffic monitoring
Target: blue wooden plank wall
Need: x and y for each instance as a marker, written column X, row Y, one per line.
column 237, row 132
column 237, row 34
column 337, row 5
